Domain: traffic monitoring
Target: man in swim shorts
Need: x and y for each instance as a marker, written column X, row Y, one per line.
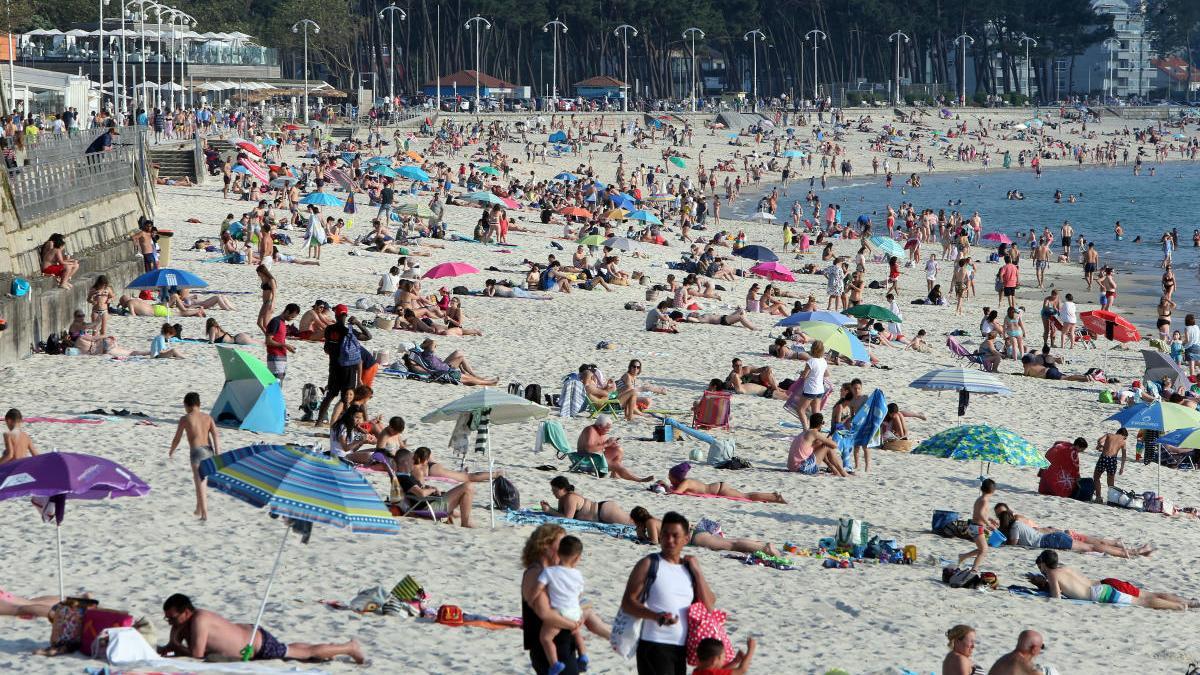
column 200, row 633
column 1065, row 582
column 1108, row 446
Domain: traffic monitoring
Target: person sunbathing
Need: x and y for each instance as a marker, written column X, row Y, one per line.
column 457, row 498
column 1064, row 582
column 137, row 306
column 753, row 381
column 217, row 335
column 594, row 439
column 1022, row 531
column 213, row 302
column 37, row 607
column 813, row 448
column 682, row 485
column 455, row 361
column 734, row 318
column 782, row 350
column 424, row 466
column 96, row 345
column 574, row 505
column 706, row 534
column 418, row 324
column 314, row 322
column 697, row 290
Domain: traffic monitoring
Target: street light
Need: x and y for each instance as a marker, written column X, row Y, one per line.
column 1026, row 40
column 1113, row 45
column 478, row 20
column 623, row 31
column 316, row 29
column 558, row 25
column 391, row 10
column 814, row 34
column 965, row 40
column 693, row 31
column 895, row 37
column 754, row 58
column 102, row 5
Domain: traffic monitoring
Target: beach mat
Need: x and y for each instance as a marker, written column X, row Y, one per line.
column 1026, row 592
column 528, row 517
column 732, row 499
column 62, row 420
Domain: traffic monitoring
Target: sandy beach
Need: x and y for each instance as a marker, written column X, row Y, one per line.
column 132, row 553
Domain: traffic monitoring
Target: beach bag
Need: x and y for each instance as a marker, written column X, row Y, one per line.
column 941, row 519
column 852, row 533
column 505, row 494
column 533, row 393
column 627, row 630
column 704, row 623
column 961, row 578
column 1124, row 498
column 515, row 388
column 95, row 621
column 124, row 645
column 1085, row 489
column 350, row 351
column 1106, row 396
column 66, row 621
column 449, row 615
column 1157, row 504
column 20, row 287
column 720, row 452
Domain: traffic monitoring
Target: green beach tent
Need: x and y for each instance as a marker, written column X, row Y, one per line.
column 252, row 398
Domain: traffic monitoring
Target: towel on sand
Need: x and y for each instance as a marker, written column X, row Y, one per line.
column 528, row 517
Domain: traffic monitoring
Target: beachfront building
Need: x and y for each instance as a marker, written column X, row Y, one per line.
column 463, row 82
column 711, row 71
column 46, row 91
column 601, row 86
column 1120, row 68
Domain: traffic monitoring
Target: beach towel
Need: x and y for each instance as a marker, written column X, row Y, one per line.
column 551, row 432
column 182, row 666
column 228, row 257
column 691, row 494
column 529, row 517
column 762, row 560
column 863, row 430
column 1026, row 592
column 477, row 620
column 573, row 399
column 62, row 420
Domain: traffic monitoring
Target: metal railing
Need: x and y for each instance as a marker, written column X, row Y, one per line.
column 53, row 185
column 50, row 148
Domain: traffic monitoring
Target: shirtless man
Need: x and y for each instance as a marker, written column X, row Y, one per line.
column 1041, row 260
column 812, row 448
column 144, row 241
column 202, row 442
column 17, row 443
column 1091, row 258
column 759, row 381
column 1108, row 446
column 136, row 306
column 200, row 633
column 55, row 263
column 1020, row 660
column 595, row 439
column 1064, row 582
column 981, row 525
column 1108, row 284
column 1067, row 233
column 314, row 322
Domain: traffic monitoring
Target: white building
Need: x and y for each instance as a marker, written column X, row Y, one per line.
column 1118, row 67
column 46, row 91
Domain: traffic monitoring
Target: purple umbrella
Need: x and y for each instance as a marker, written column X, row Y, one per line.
column 51, row 478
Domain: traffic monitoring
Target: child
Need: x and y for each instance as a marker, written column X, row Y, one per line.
column 203, row 442
column 1177, row 347
column 564, row 586
column 17, row 443
column 711, row 655
column 981, row 525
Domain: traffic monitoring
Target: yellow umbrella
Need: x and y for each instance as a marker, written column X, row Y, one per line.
column 617, row 214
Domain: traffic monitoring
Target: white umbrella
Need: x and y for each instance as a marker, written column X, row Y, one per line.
column 209, row 35
column 238, row 35
column 148, row 85
column 171, row 86
column 75, row 32
column 495, row 407
column 37, row 32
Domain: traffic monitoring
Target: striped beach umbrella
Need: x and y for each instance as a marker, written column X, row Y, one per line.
column 960, row 379
column 887, row 245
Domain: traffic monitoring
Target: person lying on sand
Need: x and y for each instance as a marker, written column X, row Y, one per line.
column 574, row 505
column 136, row 306
column 410, row 321
column 758, row 381
column 682, row 485
column 1022, row 531
column 708, row 536
column 1064, row 582
column 734, row 318
column 201, row 634
column 455, row 361
column 36, row 607
column 780, row 349
column 594, row 439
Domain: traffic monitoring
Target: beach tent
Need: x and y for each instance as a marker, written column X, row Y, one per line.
column 252, row 399
column 557, row 137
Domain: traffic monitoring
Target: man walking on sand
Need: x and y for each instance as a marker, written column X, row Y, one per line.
column 1108, row 446
column 203, row 443
column 200, row 633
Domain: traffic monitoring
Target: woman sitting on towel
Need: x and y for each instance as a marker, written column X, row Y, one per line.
column 682, row 485
column 707, row 534
column 572, row 505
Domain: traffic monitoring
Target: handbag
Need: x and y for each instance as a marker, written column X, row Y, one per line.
column 852, row 533
column 705, row 623
column 626, row 629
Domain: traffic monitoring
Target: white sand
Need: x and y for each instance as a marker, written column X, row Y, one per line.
column 132, row 553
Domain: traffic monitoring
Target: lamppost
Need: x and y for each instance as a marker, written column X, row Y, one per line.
column 391, row 10
column 159, row 10
column 186, row 20
column 623, row 31
column 693, row 32
column 1113, row 45
column 895, row 37
column 1026, row 40
column 558, row 25
column 965, row 40
column 316, row 29
column 101, row 49
column 815, row 34
column 761, row 37
column 478, row 20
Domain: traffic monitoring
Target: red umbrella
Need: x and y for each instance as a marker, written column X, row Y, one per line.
column 250, row 148
column 997, row 237
column 773, row 270
column 510, row 202
column 290, row 127
column 450, row 269
column 1110, row 324
column 575, row 211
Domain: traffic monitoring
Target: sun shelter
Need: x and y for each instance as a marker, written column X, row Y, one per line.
column 252, row 398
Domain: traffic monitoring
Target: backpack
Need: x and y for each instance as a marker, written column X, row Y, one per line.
column 515, row 388
column 533, row 393
column 350, row 351
column 54, row 344
column 20, row 287
column 505, row 494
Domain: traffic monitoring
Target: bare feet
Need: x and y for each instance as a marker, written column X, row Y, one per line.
column 779, row 498
column 770, row 549
column 356, row 652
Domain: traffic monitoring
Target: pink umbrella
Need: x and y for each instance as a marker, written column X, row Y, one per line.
column 450, row 269
column 773, row 270
column 510, row 202
column 250, row 148
column 997, row 237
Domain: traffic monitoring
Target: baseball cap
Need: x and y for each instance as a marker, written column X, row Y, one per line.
column 340, row 310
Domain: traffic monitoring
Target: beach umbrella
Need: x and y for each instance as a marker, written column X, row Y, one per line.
column 1109, row 324
column 985, row 443
column 377, row 159
column 678, row 161
column 592, row 240
column 836, row 338
column 998, row 237
column 618, row 243
column 756, row 252
column 321, row 199
column 282, row 182
column 773, row 270
column 414, row 155
column 509, row 202
column 414, row 173
column 493, row 407
column 249, row 147
column 888, row 245
column 1157, row 416
column 874, row 312
column 624, row 201
column 418, row 210
column 567, row 176
column 557, row 137
column 823, row 316
column 53, row 477
column 793, row 153
column 241, row 169
column 763, row 216
column 383, row 170
column 350, row 207
column 298, row 485
column 450, row 269
column 661, row 197
column 1188, row 437
column 269, row 141
column 167, row 277
column 964, row 381
column 575, row 211
column 644, row 216
column 484, row 197
column 489, row 170
column 1159, row 365
column 617, row 214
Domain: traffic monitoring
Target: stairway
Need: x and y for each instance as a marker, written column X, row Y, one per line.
column 174, row 163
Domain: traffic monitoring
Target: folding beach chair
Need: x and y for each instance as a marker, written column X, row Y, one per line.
column 962, row 352
column 551, row 433
column 417, row 366
column 713, row 410
column 610, row 407
column 402, row 504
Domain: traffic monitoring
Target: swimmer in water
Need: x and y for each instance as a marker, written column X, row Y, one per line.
column 1137, row 239
column 1119, row 231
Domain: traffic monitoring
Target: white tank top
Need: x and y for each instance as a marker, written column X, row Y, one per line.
column 671, row 592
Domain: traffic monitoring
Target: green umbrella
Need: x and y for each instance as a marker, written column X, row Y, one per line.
column 984, row 443
column 874, row 312
column 678, row 161
column 836, row 338
column 490, row 170
column 592, row 240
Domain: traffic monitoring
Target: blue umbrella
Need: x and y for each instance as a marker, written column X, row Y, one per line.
column 566, row 175
column 624, row 201
column 167, row 277
column 383, row 170
column 1157, row 416
column 379, row 159
column 756, row 252
column 557, row 137
column 414, row 173
column 825, row 316
column 644, row 216
column 240, row 169
column 485, row 197
column 793, row 153
column 322, row 199
column 348, row 157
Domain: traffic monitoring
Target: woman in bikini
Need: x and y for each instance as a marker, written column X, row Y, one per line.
column 572, row 505
column 1168, row 282
column 100, row 295
column 424, row 466
column 706, row 534
column 682, row 485
column 268, row 286
column 631, row 391
column 752, row 302
column 174, row 302
column 735, row 318
column 391, row 437
column 781, row 350
column 216, row 301
column 770, row 305
column 220, row 336
column 426, row 325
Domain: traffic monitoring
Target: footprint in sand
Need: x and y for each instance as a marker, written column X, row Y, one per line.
column 847, row 609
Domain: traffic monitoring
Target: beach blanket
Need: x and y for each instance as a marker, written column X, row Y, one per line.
column 477, row 620
column 228, row 257
column 528, row 517
column 181, row 666
column 1027, row 592
column 573, row 399
column 762, row 559
column 62, row 420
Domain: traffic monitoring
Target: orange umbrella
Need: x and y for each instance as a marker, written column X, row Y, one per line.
column 414, row 156
column 575, row 211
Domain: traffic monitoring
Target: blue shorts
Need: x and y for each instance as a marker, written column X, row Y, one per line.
column 809, row 467
column 1057, row 540
column 271, row 648
column 813, row 396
